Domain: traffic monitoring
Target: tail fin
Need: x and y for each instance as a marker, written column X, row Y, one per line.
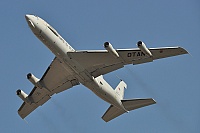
column 120, row 89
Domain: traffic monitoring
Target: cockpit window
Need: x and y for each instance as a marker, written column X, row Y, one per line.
column 36, row 16
column 53, row 30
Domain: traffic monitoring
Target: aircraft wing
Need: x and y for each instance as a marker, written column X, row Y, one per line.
column 55, row 80
column 100, row 62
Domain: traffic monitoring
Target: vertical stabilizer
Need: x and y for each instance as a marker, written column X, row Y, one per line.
column 120, row 89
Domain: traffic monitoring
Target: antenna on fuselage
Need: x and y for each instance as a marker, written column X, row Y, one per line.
column 25, row 121
column 119, row 78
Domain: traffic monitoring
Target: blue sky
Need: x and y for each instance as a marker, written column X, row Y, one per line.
column 172, row 82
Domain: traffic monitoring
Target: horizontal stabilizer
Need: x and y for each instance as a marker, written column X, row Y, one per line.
column 137, row 103
column 131, row 104
column 112, row 113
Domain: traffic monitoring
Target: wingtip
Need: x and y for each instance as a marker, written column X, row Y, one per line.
column 184, row 51
column 104, row 120
column 154, row 101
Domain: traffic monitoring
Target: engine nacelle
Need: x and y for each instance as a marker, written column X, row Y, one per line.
column 111, row 50
column 34, row 80
column 23, row 96
column 143, row 48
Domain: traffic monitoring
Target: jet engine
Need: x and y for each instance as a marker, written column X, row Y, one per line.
column 143, row 48
column 23, row 96
column 111, row 50
column 34, row 80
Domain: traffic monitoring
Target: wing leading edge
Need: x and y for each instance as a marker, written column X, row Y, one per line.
column 55, row 80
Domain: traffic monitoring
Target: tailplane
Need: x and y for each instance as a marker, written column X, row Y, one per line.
column 129, row 105
column 132, row 104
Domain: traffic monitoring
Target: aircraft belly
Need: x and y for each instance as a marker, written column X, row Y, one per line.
column 98, row 91
column 57, row 46
column 106, row 93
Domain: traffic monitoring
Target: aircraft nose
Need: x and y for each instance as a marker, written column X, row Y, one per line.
column 27, row 16
column 29, row 20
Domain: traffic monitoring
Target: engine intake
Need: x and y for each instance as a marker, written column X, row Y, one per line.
column 139, row 43
column 144, row 49
column 23, row 96
column 34, row 80
column 111, row 50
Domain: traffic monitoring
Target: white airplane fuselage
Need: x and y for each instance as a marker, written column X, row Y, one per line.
column 60, row 48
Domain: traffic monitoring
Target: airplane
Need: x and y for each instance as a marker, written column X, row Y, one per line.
column 71, row 67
